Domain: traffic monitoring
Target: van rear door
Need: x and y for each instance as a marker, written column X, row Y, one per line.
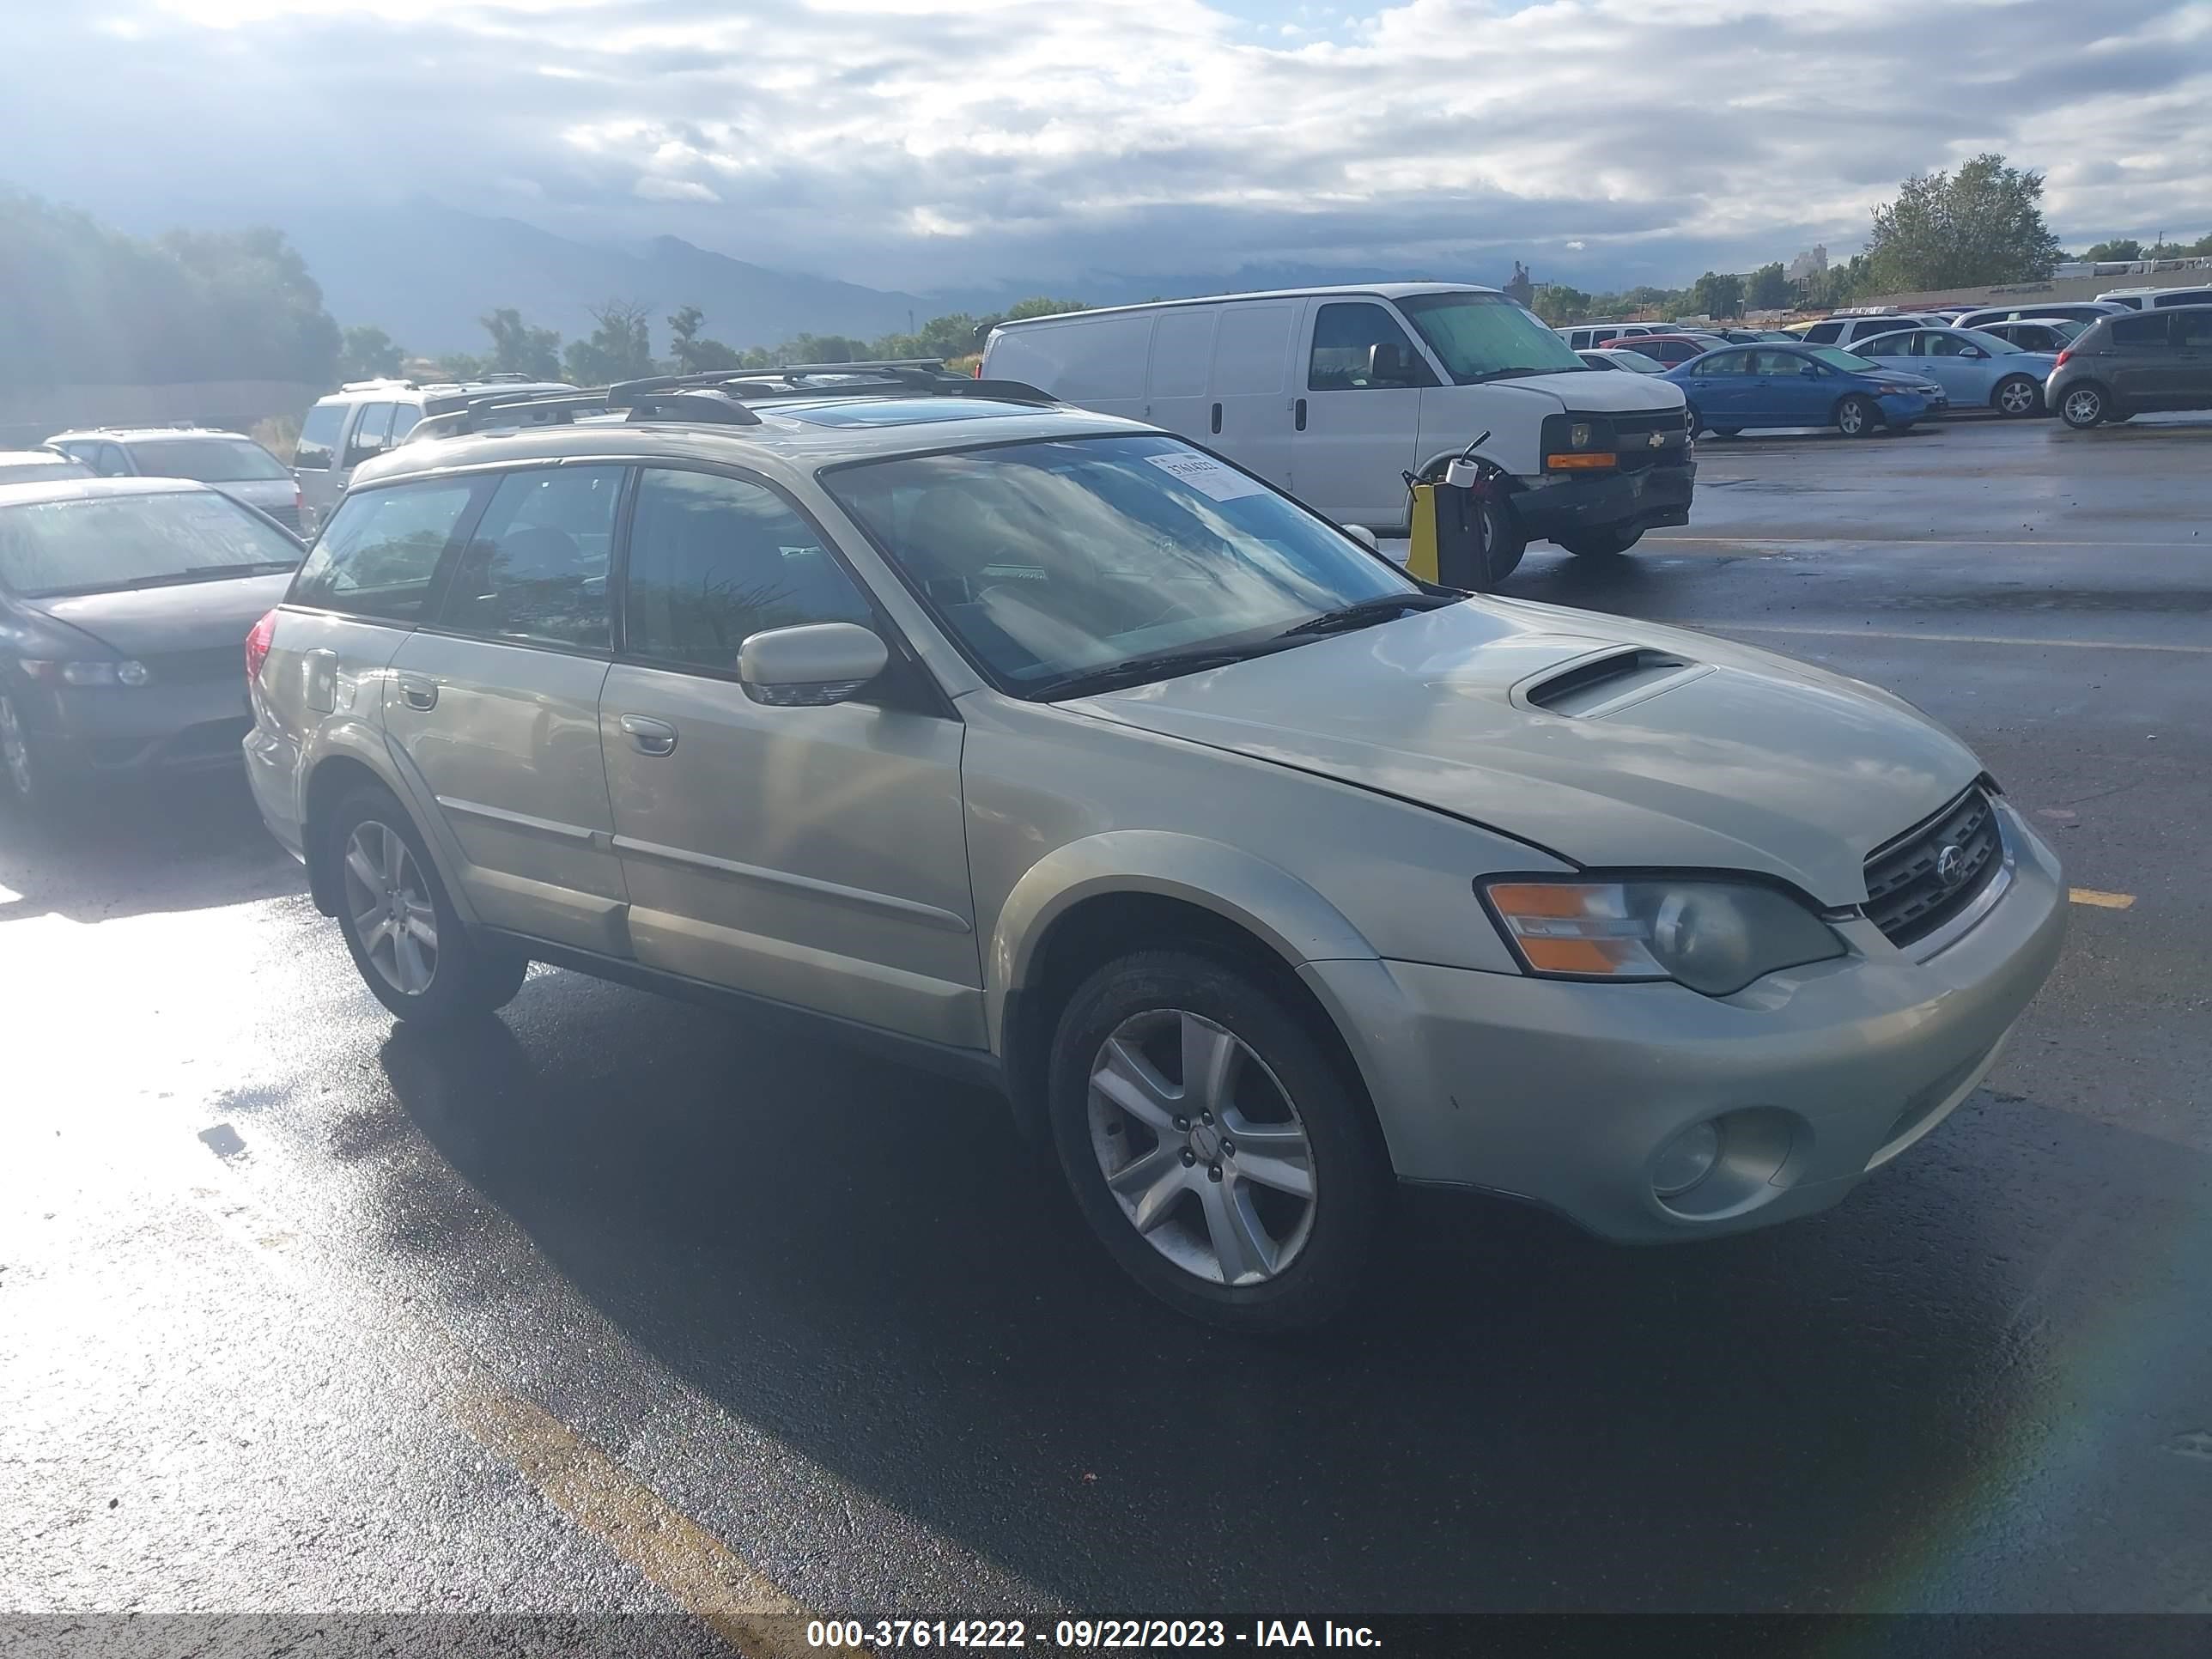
column 1361, row 395
column 1178, row 386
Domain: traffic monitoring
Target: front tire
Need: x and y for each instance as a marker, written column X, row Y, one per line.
column 2085, row 405
column 23, row 782
column 1221, row 1157
column 1858, row 417
column 414, row 953
column 1506, row 542
column 2016, row 397
column 1607, row 543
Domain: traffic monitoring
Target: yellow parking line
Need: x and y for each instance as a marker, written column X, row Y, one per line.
column 1730, row 625
column 2101, row 901
column 695, row 1569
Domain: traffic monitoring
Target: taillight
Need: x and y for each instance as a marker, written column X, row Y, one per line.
column 2062, row 356
column 979, row 368
column 256, row 646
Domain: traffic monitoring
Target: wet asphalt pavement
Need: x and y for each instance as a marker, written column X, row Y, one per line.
column 300, row 1312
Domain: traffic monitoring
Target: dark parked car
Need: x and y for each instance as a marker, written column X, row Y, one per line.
column 2134, row 364
column 231, row 461
column 1740, row 386
column 38, row 465
column 1674, row 350
column 124, row 605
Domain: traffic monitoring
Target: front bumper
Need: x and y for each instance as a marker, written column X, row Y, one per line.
column 106, row 731
column 1653, row 495
column 1567, row 1094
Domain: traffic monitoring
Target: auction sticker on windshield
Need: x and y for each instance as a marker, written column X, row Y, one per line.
column 1204, row 473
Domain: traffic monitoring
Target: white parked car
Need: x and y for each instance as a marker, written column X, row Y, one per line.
column 1849, row 330
column 1046, row 748
column 2156, row 298
column 1620, row 357
column 1335, row 394
column 1976, row 370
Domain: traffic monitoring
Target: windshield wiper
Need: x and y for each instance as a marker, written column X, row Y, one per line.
column 1143, row 671
column 1382, row 609
column 1489, row 374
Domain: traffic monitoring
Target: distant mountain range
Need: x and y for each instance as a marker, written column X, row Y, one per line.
column 425, row 272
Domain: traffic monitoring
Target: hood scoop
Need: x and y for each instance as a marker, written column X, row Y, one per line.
column 1608, row 683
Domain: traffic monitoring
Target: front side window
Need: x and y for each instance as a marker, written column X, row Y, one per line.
column 1784, row 365
column 376, row 555
column 2193, row 328
column 713, row 559
column 110, row 462
column 319, row 438
column 370, row 432
column 1485, row 337
column 536, row 565
column 1888, row 345
column 104, row 543
column 1047, row 561
column 210, row 460
column 1360, row 347
column 405, row 419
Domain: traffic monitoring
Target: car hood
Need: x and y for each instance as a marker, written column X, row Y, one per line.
column 188, row 617
column 1597, row 391
column 1604, row 740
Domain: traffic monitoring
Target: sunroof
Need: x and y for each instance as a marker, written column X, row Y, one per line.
column 904, row 411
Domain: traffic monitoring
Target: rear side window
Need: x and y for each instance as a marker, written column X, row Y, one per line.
column 2193, row 328
column 380, row 549
column 319, row 438
column 2187, row 296
column 535, row 569
column 713, row 559
column 2150, row 330
column 1726, row 362
column 1823, row 333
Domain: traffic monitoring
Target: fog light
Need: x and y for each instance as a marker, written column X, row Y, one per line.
column 1686, row 1159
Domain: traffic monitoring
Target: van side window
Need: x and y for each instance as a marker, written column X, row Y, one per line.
column 376, row 555
column 713, row 559
column 536, row 565
column 1358, row 348
column 319, row 438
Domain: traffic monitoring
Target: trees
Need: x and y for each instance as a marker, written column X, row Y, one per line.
column 1768, row 289
column 1717, row 293
column 619, row 347
column 1980, row 226
column 2125, row 248
column 368, row 353
column 1557, row 303
column 688, row 353
column 518, row 348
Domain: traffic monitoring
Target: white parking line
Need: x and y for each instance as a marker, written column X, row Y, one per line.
column 2028, row 540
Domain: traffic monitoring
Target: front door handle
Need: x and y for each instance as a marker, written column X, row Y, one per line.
column 418, row 694
column 1301, row 416
column 649, row 736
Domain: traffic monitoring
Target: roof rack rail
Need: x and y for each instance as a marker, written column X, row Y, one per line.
column 719, row 395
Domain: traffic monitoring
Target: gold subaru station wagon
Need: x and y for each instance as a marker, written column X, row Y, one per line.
column 1044, row 747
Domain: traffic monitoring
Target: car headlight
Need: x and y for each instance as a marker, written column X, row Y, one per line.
column 1713, row 936
column 88, row 674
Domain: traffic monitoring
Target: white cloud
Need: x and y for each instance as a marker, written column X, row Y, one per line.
column 916, row 142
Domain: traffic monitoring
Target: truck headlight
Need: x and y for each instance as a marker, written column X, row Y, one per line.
column 1713, row 936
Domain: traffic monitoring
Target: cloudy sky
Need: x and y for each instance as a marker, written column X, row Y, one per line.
column 920, row 143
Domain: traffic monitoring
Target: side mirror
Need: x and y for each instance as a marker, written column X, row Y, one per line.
column 1363, row 535
column 1973, row 351
column 810, row 667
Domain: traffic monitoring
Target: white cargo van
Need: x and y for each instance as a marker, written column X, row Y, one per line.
column 1336, row 393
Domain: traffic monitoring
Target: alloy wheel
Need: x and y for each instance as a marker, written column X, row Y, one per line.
column 2016, row 397
column 1851, row 419
column 2084, row 407
column 1201, row 1147
column 389, row 905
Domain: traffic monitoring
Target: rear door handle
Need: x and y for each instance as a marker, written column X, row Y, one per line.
column 418, row 694
column 1216, row 417
column 649, row 736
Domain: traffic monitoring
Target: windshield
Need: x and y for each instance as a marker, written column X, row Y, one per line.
column 210, row 460
column 1996, row 344
column 1636, row 360
column 1047, row 560
column 102, row 543
column 1485, row 337
column 22, row 469
column 1837, row 357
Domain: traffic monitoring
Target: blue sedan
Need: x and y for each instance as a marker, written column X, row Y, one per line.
column 1740, row 386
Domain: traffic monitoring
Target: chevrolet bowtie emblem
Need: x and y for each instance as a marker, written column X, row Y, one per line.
column 1657, row 439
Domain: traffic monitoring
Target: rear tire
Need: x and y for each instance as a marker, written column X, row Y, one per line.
column 2017, row 397
column 2085, row 405
column 1161, row 1061
column 1858, row 417
column 1606, row 543
column 416, row 956
column 1727, row 431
